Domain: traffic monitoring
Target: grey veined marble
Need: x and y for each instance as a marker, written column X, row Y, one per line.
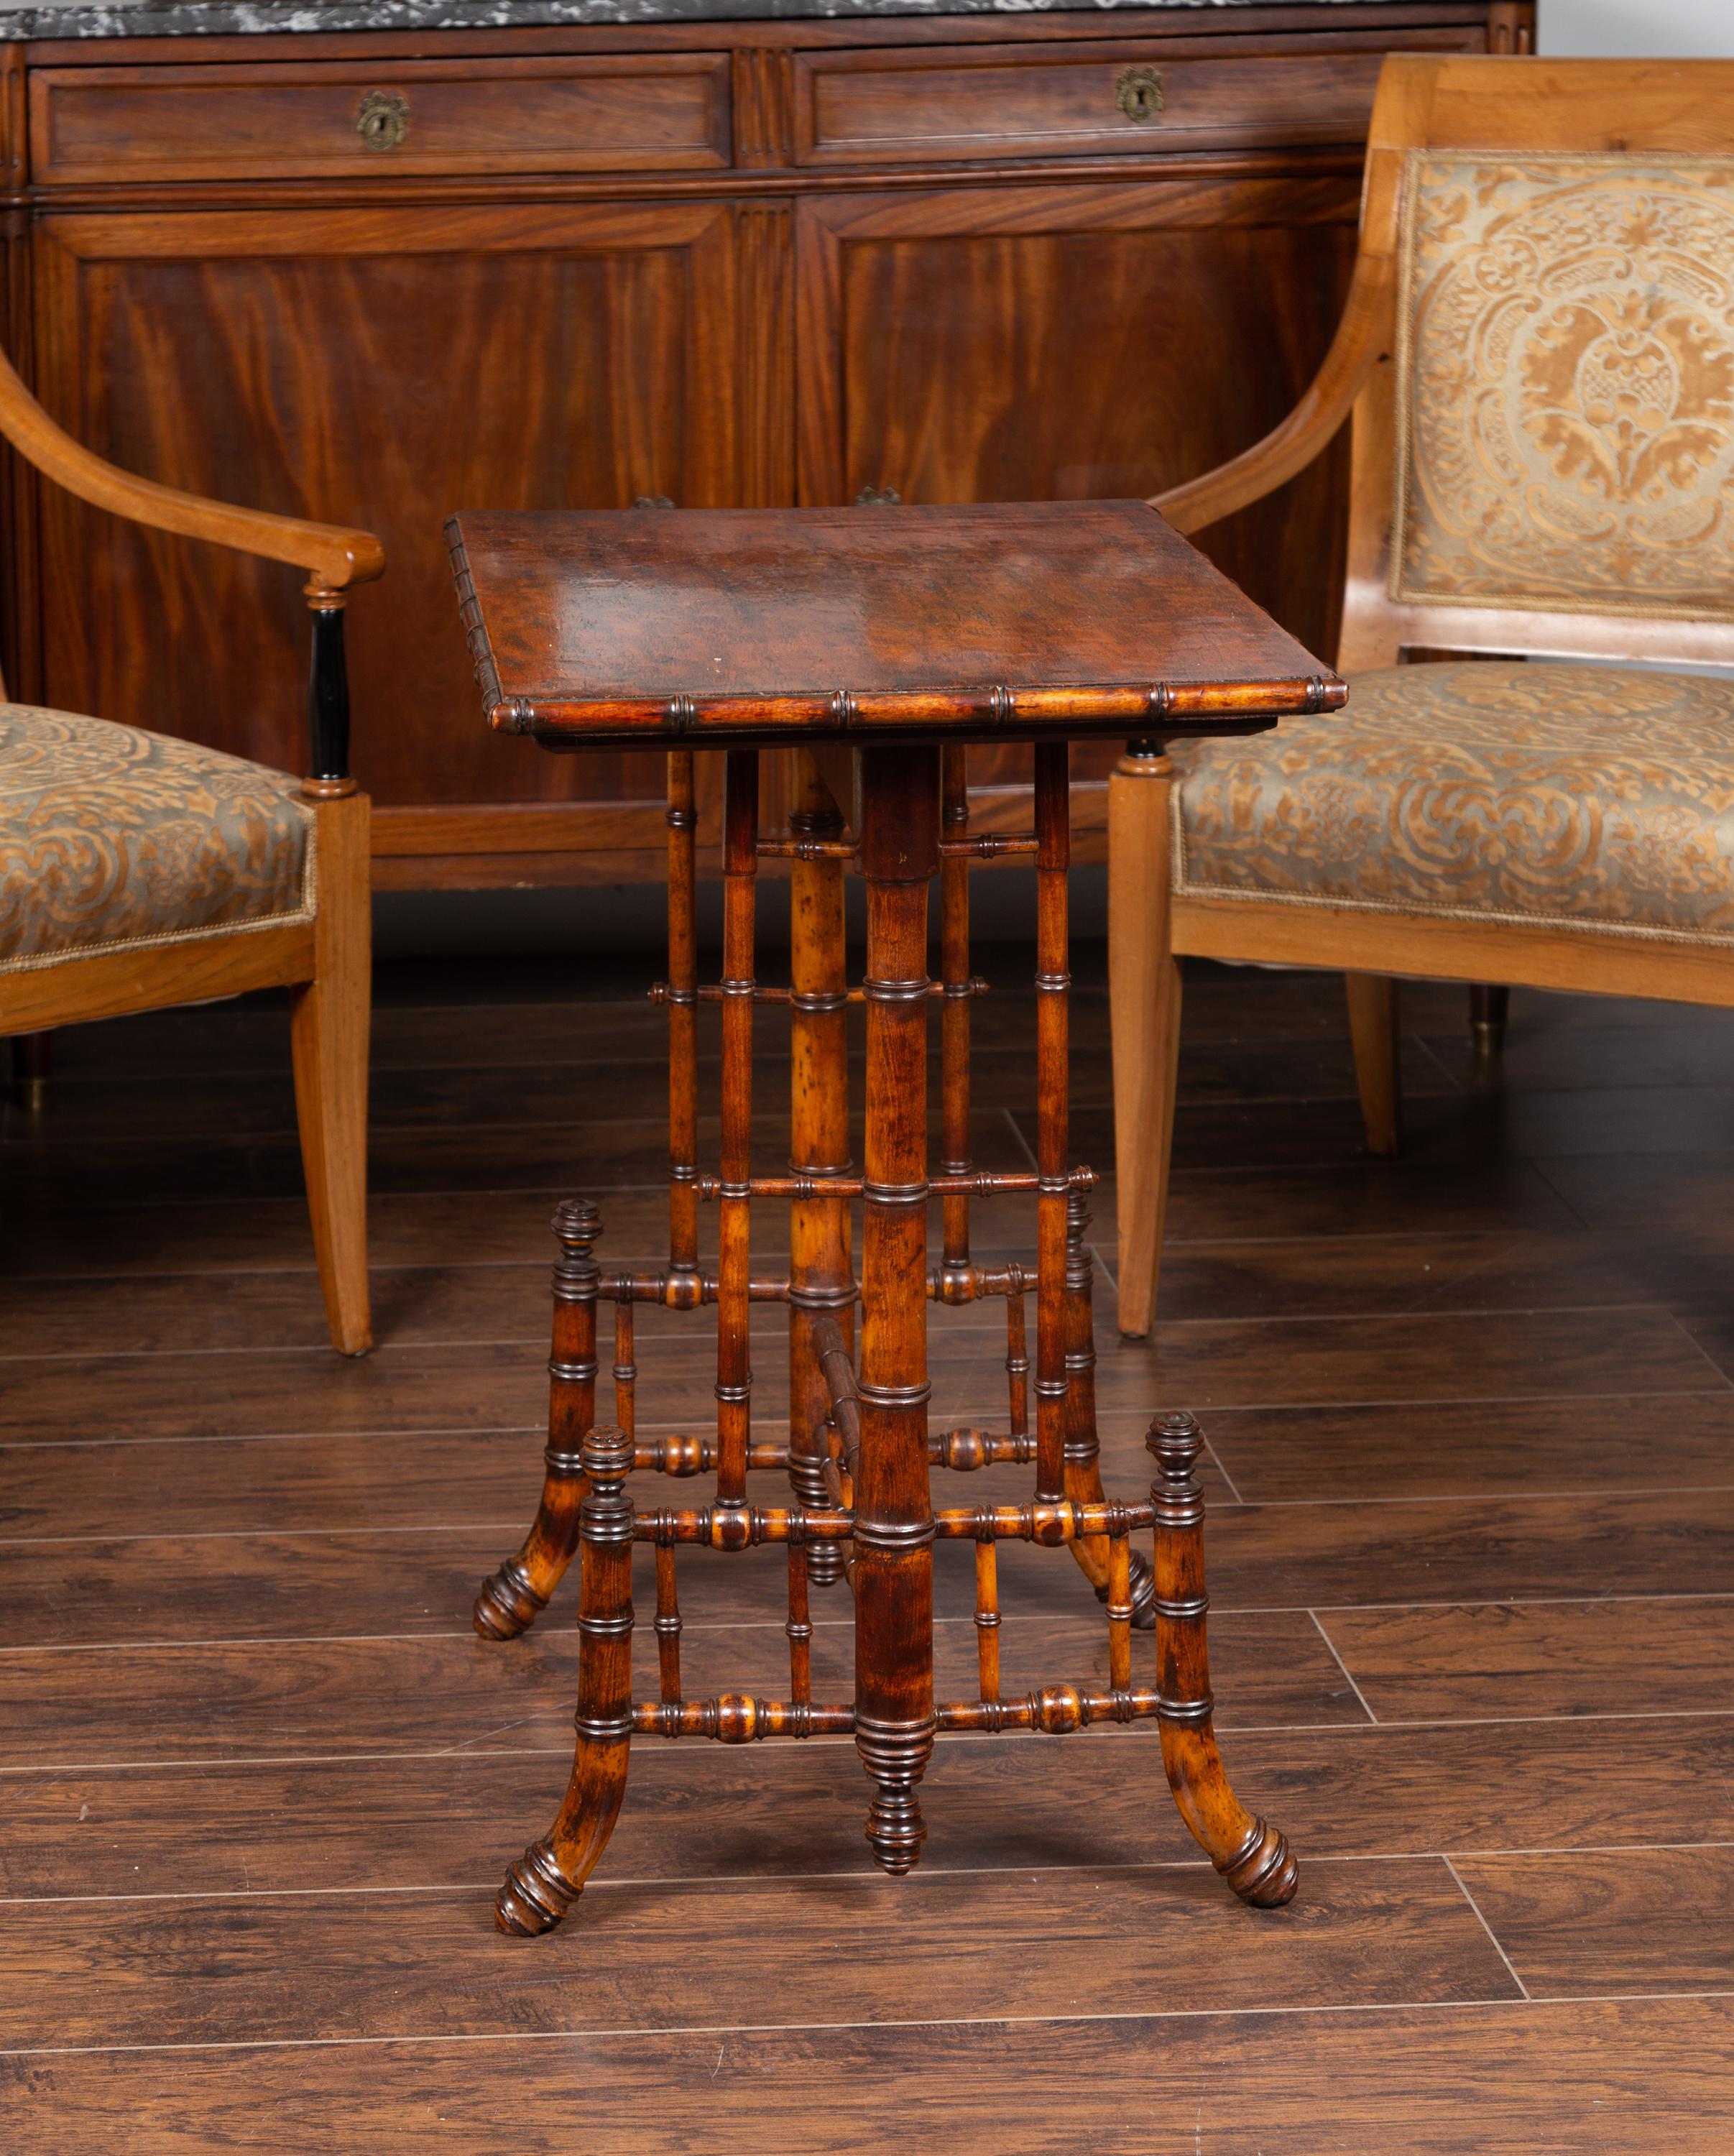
column 183, row 18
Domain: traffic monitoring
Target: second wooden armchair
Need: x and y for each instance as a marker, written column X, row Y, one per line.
column 1538, row 355
column 138, row 870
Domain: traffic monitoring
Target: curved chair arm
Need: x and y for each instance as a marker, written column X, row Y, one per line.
column 1360, row 336
column 334, row 558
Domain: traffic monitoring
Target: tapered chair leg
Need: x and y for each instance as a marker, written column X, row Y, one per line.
column 1373, row 1031
column 32, row 1061
column 329, row 1018
column 1144, row 1014
column 1488, row 1008
column 1253, row 1857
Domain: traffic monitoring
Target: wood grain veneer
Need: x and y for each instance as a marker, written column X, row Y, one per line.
column 1033, row 101
column 650, row 112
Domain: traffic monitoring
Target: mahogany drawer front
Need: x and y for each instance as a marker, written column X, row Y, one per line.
column 1036, row 101
column 644, row 112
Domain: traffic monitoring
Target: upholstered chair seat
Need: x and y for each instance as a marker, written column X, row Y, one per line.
column 112, row 838
column 1536, row 360
column 138, row 872
column 1548, row 795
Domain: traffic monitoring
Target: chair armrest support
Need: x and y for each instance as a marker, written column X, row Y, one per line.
column 1362, row 335
column 328, row 703
column 333, row 558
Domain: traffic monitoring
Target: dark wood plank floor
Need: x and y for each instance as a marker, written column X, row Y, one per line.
column 1472, row 1486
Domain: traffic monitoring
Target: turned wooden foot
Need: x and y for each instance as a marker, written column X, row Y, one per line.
column 550, row 1875
column 896, row 1755
column 537, row 1893
column 1253, row 1857
column 1263, row 1871
column 509, row 1603
column 512, row 1598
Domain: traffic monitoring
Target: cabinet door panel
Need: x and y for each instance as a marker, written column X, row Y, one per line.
column 379, row 367
column 1066, row 342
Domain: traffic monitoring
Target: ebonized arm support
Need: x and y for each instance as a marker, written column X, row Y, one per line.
column 334, row 558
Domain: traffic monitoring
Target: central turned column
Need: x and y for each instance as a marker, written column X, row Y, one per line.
column 894, row 1509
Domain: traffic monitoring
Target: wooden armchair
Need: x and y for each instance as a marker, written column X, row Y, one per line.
column 137, row 870
column 1537, row 354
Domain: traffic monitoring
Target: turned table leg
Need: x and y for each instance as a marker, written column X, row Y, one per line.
column 822, row 1281
column 511, row 1599
column 684, row 1289
column 893, row 1510
column 549, row 1876
column 1070, row 1318
column 1253, row 1857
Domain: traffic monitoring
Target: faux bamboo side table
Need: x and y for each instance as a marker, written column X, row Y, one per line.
column 904, row 633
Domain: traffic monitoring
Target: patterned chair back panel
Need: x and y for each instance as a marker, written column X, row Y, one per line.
column 1566, row 386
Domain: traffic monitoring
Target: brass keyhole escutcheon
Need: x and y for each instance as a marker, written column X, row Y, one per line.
column 383, row 120
column 1138, row 93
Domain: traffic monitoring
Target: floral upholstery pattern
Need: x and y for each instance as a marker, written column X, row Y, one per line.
column 1564, row 796
column 1566, row 386
column 112, row 836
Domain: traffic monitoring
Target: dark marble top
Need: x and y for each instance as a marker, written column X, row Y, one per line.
column 182, row 18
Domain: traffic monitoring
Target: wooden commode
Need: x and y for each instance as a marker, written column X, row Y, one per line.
column 359, row 275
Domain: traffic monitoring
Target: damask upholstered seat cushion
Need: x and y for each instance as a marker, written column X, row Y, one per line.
column 113, row 837
column 1564, row 796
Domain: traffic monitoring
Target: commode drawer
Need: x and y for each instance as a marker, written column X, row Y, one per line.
column 644, row 112
column 930, row 107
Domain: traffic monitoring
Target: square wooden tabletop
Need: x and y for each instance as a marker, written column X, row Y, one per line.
column 992, row 620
